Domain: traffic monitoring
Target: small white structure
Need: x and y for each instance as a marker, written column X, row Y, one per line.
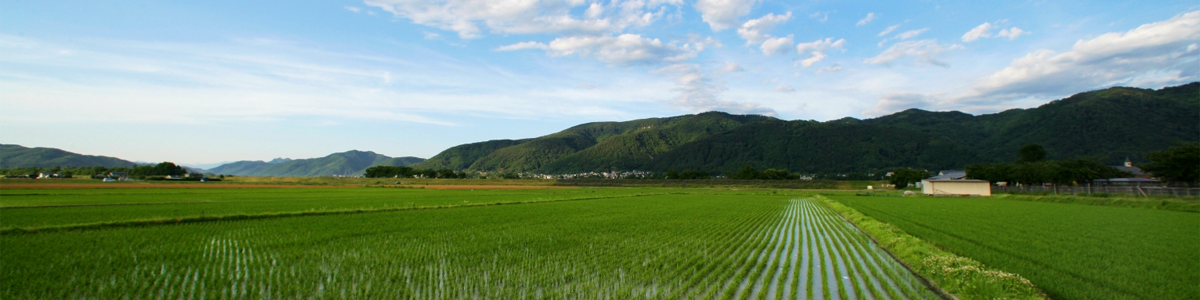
column 963, row 187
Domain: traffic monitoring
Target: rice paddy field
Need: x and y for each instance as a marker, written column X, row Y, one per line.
column 1071, row 251
column 376, row 243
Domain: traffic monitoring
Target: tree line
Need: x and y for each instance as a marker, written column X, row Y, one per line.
column 409, row 172
column 142, row 171
column 1032, row 168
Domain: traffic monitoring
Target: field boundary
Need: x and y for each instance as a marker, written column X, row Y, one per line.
column 952, row 276
column 100, row 204
column 273, row 215
column 1157, row 203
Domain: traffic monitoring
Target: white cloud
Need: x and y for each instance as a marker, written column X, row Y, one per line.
column 352, row 8
column 818, row 49
column 469, row 18
column 723, row 14
column 820, row 16
column 785, row 88
column 870, row 17
column 924, row 51
column 815, row 58
column 1154, row 52
column 756, row 31
column 431, row 35
column 594, row 11
column 698, row 44
column 984, row 31
column 821, row 45
column 1152, row 55
column 1012, row 33
column 730, row 67
column 774, row 46
column 911, row 34
column 626, row 49
column 980, row 31
column 699, row 93
column 829, row 69
column 888, row 30
column 523, row 46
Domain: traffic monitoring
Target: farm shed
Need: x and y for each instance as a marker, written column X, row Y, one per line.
column 956, row 187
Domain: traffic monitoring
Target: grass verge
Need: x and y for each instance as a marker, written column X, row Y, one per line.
column 948, row 273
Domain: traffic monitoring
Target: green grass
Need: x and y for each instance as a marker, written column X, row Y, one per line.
column 1069, row 250
column 704, row 244
column 33, row 208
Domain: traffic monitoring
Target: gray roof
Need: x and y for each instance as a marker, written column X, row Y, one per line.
column 1135, row 170
column 1127, row 180
column 950, row 174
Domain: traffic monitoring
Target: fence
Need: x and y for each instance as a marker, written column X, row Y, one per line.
column 1130, row 190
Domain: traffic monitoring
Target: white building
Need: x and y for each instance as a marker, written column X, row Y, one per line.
column 963, row 187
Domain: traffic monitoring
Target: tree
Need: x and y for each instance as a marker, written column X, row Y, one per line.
column 1179, row 163
column 1031, row 153
column 746, row 173
column 901, row 177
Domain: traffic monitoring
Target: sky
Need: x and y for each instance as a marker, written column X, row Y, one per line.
column 204, row 82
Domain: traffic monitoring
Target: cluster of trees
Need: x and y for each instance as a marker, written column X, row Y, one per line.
column 687, row 174
column 901, row 177
column 409, row 172
column 750, row 173
column 142, row 171
column 1032, row 168
column 1179, row 163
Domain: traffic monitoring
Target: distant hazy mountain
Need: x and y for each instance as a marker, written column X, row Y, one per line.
column 345, row 163
column 1110, row 124
column 16, row 156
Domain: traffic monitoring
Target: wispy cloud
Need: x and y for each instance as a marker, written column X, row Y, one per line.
column 985, row 31
column 866, row 20
column 466, row 16
column 626, row 49
column 888, row 30
column 698, row 92
column 923, row 51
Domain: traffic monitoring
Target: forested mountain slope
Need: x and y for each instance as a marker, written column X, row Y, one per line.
column 16, row 156
column 1112, row 124
column 1109, row 124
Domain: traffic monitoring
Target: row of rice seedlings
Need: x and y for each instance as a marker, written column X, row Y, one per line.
column 754, row 282
column 733, row 281
column 702, row 279
column 718, row 276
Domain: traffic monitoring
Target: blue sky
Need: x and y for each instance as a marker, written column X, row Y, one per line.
column 214, row 81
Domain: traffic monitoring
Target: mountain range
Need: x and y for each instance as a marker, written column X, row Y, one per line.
column 352, row 162
column 1111, row 125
